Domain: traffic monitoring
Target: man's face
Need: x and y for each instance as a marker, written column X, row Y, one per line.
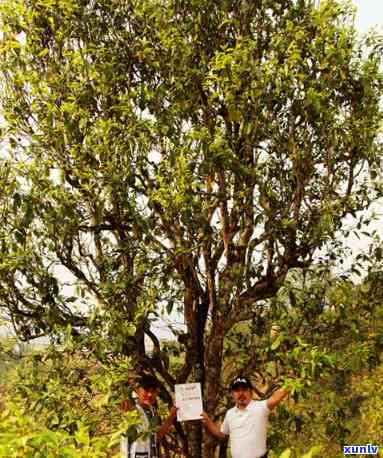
column 147, row 396
column 242, row 396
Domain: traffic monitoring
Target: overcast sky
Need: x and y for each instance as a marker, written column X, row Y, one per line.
column 370, row 13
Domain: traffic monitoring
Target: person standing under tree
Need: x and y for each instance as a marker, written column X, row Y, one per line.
column 147, row 446
column 246, row 423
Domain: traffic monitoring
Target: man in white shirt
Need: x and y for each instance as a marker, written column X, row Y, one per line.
column 246, row 423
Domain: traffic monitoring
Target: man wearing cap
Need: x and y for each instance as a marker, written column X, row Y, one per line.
column 246, row 423
column 148, row 445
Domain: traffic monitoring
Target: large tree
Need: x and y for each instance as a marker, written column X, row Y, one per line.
column 178, row 154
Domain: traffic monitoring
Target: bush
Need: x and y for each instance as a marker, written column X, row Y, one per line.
column 63, row 404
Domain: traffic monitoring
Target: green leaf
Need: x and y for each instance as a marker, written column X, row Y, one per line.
column 277, row 342
column 314, row 451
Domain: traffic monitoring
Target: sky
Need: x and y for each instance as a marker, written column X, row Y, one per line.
column 369, row 14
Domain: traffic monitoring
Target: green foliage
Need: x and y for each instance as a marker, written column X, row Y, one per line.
column 344, row 407
column 333, row 418
column 366, row 406
column 316, row 323
column 314, row 451
column 188, row 155
column 64, row 404
column 20, row 436
column 128, row 127
column 321, row 338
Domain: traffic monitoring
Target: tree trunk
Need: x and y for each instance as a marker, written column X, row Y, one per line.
column 213, row 361
column 209, row 445
column 194, row 434
column 194, row 429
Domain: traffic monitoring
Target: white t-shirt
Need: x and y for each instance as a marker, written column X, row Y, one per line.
column 247, row 429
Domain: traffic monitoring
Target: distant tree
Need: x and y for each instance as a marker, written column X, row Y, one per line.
column 177, row 154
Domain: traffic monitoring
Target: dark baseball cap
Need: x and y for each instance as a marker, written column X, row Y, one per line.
column 148, row 381
column 241, row 382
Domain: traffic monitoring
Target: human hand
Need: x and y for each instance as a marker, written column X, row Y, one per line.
column 205, row 418
column 173, row 412
column 126, row 405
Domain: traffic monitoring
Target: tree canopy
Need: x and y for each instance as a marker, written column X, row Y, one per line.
column 176, row 154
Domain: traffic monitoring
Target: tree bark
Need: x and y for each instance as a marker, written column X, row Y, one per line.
column 194, row 429
column 213, row 360
column 194, row 433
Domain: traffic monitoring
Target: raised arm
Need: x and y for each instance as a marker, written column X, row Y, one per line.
column 212, row 427
column 276, row 398
column 167, row 424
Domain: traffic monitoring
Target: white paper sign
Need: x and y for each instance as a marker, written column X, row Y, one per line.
column 188, row 401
